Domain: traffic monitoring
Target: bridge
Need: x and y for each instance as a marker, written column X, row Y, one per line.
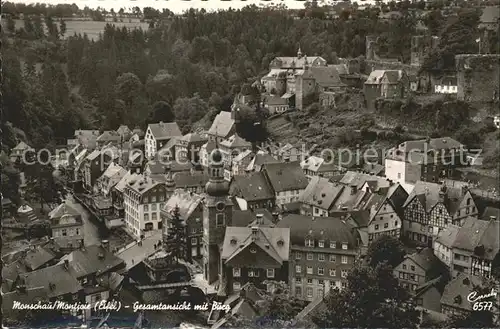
column 138, row 251
column 167, row 285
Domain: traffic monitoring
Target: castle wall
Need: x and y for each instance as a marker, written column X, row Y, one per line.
column 421, row 45
column 477, row 77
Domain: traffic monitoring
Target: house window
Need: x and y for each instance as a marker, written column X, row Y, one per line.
column 298, row 269
column 236, row 286
column 333, row 258
column 298, row 291
column 412, row 267
column 333, row 244
column 386, row 225
column 236, row 272
column 344, row 246
column 344, row 260
column 310, row 256
column 146, row 217
column 343, row 273
column 376, row 227
column 298, row 280
column 253, row 273
column 194, row 241
column 77, row 231
column 404, row 266
column 321, row 271
column 153, row 199
column 298, row 255
column 146, row 207
column 64, row 232
column 153, row 207
column 309, row 292
column 321, row 243
column 193, row 231
column 153, row 216
column 309, row 243
column 333, row 272
column 219, row 220
column 321, row 257
column 270, row 272
column 309, row 270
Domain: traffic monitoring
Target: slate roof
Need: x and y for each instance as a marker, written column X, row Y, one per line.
column 426, row 259
column 109, row 136
column 22, row 146
column 261, row 159
column 63, row 208
column 92, row 156
column 286, row 176
column 274, row 100
column 30, row 296
column 443, row 143
column 120, row 186
column 475, row 233
column 86, row 262
column 361, row 218
column 318, row 228
column 491, row 14
column 243, row 218
column 172, row 142
column 448, row 236
column 10, row 273
column 164, row 130
column 428, row 194
column 326, row 76
column 143, row 184
column 295, row 62
column 456, row 291
column 57, row 280
column 34, row 259
column 341, row 69
column 235, row 141
column 123, row 130
column 186, row 179
column 318, row 165
column 253, row 187
column 376, row 77
column 242, row 155
column 358, row 179
column 272, row 240
column 320, row 192
column 156, row 168
column 193, row 138
column 490, row 212
column 186, row 201
column 223, row 125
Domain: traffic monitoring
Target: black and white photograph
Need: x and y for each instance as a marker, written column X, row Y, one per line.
column 210, row 164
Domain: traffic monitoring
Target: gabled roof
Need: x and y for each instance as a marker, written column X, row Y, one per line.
column 123, row 130
column 193, row 138
column 92, row 260
column 252, row 187
column 22, row 146
column 286, row 176
column 242, row 155
column 320, row 228
column 326, row 76
column 272, row 240
column 447, row 236
column 236, row 141
column 377, row 76
column 164, row 130
column 358, row 179
column 186, row 201
column 62, row 209
column 30, row 296
column 92, row 156
column 456, row 291
column 34, row 259
column 242, row 218
column 428, row 194
column 491, row 14
column 426, row 259
column 260, row 159
column 490, row 212
column 296, row 62
column 120, row 186
column 109, row 136
column 223, row 125
column 142, row 184
column 275, row 100
column 479, row 237
column 57, row 280
column 320, row 192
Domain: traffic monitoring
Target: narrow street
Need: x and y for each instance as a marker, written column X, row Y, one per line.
column 92, row 232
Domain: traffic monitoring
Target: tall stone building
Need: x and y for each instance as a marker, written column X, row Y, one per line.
column 217, row 215
column 421, row 45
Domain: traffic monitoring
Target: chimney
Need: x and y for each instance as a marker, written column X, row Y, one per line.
column 255, row 233
column 443, row 194
column 105, row 245
column 260, row 218
column 66, row 264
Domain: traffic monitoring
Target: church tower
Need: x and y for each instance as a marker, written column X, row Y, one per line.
column 169, row 181
column 217, row 215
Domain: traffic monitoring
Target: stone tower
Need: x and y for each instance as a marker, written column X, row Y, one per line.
column 305, row 85
column 371, row 43
column 169, row 181
column 477, row 77
column 281, row 84
column 217, row 215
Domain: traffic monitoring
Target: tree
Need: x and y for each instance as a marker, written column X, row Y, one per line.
column 161, row 111
column 11, row 24
column 386, row 249
column 62, row 28
column 373, row 298
column 176, row 236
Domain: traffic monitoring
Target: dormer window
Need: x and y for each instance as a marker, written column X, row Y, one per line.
column 253, row 250
column 321, row 243
column 309, row 243
column 236, row 272
column 333, row 244
column 344, row 246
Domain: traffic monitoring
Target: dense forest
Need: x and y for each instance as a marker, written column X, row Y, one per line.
column 185, row 67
